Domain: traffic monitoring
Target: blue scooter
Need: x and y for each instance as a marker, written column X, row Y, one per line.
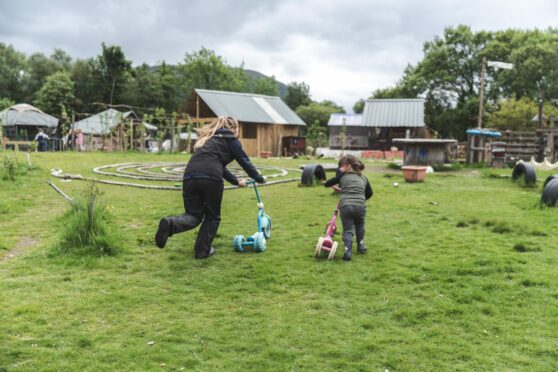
column 256, row 242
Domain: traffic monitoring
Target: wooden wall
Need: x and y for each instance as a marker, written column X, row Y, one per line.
column 268, row 138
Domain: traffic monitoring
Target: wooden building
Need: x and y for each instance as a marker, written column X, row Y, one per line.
column 264, row 120
column 381, row 121
column 110, row 130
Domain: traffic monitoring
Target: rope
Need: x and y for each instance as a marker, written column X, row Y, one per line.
column 172, row 172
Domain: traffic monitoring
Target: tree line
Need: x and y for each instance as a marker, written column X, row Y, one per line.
column 448, row 78
column 58, row 84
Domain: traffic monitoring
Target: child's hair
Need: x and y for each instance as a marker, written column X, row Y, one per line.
column 207, row 131
column 351, row 160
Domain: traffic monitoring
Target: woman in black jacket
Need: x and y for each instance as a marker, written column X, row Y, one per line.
column 202, row 185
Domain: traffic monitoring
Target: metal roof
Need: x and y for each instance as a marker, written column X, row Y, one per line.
column 26, row 115
column 350, row 120
column 102, row 122
column 393, row 113
column 248, row 107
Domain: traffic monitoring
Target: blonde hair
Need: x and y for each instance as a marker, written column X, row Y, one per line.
column 208, row 131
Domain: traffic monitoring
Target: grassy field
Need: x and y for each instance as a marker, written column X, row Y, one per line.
column 460, row 274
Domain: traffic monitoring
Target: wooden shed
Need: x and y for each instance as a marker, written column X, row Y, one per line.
column 381, row 121
column 264, row 120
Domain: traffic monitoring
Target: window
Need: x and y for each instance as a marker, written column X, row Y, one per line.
column 250, row 131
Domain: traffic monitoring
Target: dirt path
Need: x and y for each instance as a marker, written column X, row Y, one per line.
column 22, row 246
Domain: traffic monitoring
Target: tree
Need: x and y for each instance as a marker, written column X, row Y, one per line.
column 206, row 70
column 358, row 107
column 12, row 64
column 317, row 135
column 62, row 59
column 171, row 95
column 56, row 94
column 318, row 112
column 517, row 114
column 38, row 68
column 114, row 69
column 265, row 85
column 5, row 103
column 88, row 84
column 144, row 88
column 298, row 94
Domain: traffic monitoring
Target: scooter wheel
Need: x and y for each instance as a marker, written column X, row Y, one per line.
column 267, row 227
column 318, row 249
column 259, row 243
column 237, row 243
column 333, row 251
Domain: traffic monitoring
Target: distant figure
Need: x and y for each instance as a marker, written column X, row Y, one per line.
column 79, row 139
column 41, row 139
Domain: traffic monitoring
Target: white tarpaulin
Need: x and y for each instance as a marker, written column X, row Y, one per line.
column 502, row 65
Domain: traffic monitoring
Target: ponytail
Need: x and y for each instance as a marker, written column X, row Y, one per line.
column 355, row 164
column 208, row 131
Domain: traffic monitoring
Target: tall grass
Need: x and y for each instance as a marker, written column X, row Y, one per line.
column 88, row 228
column 10, row 166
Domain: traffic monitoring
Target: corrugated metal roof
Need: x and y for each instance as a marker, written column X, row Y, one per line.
column 26, row 115
column 347, row 119
column 393, row 113
column 248, row 107
column 102, row 122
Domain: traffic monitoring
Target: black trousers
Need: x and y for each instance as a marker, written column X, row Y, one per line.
column 202, row 204
column 353, row 218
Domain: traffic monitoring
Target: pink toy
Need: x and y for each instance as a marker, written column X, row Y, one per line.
column 326, row 243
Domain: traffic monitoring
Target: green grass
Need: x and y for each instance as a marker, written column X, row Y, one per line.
column 460, row 274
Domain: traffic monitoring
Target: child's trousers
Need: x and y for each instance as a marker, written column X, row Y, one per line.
column 352, row 217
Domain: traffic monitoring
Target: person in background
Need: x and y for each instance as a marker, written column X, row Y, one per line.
column 79, row 139
column 355, row 190
column 41, row 139
column 202, row 185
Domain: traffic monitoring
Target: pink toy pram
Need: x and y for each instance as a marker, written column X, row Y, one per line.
column 326, row 243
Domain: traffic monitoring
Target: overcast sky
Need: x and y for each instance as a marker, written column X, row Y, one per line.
column 343, row 49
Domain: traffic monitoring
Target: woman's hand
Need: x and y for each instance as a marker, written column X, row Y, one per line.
column 242, row 183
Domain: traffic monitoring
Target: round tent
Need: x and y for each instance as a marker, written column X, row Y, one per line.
column 27, row 116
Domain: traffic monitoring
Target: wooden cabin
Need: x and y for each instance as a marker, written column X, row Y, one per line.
column 264, row 120
column 381, row 121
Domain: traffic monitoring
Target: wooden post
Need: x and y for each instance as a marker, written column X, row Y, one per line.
column 74, row 132
column 197, row 106
column 131, row 134
column 481, row 93
column 540, row 102
column 258, row 139
column 172, row 136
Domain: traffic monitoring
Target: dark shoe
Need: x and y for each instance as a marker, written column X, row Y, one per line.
column 361, row 249
column 211, row 253
column 163, row 232
column 348, row 254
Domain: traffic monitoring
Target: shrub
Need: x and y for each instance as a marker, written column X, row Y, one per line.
column 10, row 166
column 87, row 226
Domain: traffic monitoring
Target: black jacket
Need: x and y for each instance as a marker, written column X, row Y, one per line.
column 210, row 160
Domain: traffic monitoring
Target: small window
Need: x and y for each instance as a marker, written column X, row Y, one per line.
column 250, row 131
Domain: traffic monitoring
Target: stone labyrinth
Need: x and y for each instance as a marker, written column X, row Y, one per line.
column 158, row 175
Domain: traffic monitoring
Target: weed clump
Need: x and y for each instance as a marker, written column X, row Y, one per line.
column 522, row 248
column 87, row 227
column 10, row 166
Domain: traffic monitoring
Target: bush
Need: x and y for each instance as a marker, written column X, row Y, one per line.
column 88, row 228
column 10, row 166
